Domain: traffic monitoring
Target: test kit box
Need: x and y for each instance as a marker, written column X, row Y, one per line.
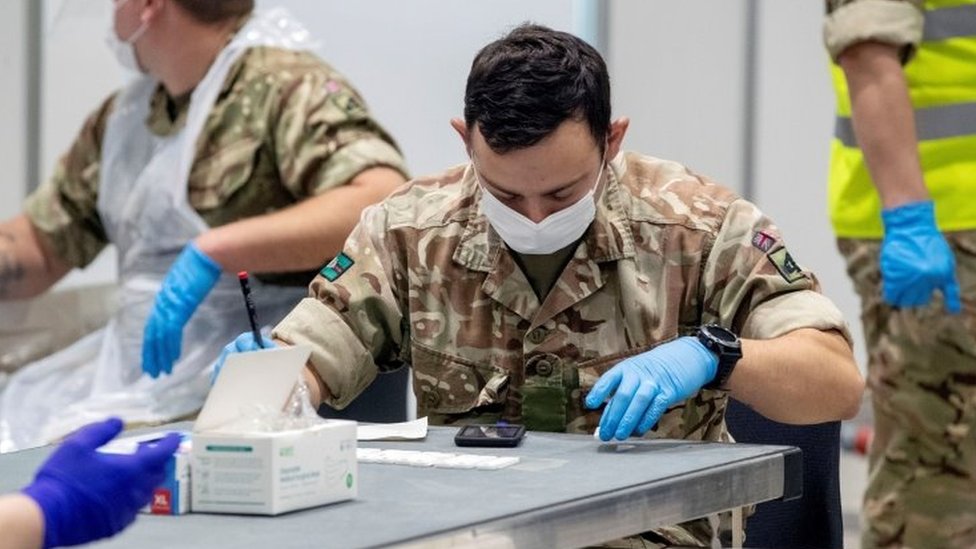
column 237, row 468
column 172, row 497
column 273, row 473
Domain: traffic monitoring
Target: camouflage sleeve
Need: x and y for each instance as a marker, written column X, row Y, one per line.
column 895, row 22
column 752, row 285
column 352, row 317
column 325, row 136
column 64, row 208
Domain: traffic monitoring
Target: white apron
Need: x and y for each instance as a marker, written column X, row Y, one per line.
column 143, row 205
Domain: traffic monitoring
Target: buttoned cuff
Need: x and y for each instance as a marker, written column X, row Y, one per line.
column 793, row 311
column 898, row 23
column 339, row 358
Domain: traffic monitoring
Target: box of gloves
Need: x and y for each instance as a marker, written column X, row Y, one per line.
column 172, row 497
column 248, row 458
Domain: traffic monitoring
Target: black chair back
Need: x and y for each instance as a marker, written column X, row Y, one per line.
column 813, row 521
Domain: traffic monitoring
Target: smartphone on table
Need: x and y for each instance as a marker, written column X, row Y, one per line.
column 490, row 435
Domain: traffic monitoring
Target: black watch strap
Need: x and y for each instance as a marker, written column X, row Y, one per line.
column 726, row 346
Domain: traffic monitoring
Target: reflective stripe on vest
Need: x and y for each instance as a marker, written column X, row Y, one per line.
column 942, row 82
column 945, row 23
column 930, row 123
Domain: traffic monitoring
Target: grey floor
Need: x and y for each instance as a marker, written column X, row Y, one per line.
column 853, row 478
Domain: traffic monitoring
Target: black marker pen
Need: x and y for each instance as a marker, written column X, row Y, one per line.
column 252, row 314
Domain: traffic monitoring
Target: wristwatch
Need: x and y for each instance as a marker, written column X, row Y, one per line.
column 727, row 348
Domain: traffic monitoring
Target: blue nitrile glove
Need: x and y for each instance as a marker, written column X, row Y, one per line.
column 86, row 495
column 185, row 287
column 242, row 344
column 646, row 385
column 915, row 259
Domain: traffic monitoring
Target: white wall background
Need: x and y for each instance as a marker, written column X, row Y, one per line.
column 793, row 128
column 410, row 59
column 677, row 68
column 13, row 90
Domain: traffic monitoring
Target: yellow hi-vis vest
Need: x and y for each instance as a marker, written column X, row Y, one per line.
column 942, row 84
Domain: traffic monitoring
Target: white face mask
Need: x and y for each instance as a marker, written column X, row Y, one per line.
column 552, row 234
column 125, row 50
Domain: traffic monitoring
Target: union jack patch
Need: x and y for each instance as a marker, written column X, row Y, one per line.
column 763, row 241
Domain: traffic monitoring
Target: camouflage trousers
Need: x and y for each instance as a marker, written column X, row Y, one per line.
column 922, row 376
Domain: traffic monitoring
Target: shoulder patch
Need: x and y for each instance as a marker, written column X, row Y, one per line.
column 763, row 241
column 337, row 266
column 348, row 104
column 787, row 267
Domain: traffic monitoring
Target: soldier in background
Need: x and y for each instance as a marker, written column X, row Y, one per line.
column 237, row 149
column 903, row 206
column 558, row 282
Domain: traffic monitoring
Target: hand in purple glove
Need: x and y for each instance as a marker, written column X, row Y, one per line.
column 86, row 495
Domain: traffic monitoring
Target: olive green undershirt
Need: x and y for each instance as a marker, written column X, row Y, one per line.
column 543, row 270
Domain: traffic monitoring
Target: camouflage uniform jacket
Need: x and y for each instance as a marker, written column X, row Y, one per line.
column 424, row 281
column 286, row 126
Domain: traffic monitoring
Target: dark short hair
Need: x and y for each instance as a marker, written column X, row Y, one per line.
column 523, row 86
column 216, row 11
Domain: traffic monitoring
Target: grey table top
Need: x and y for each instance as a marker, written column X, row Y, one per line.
column 567, row 490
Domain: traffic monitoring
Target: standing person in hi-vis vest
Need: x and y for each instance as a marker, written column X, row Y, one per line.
column 903, row 205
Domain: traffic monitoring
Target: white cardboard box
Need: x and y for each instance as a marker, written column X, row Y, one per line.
column 267, row 473
column 273, row 473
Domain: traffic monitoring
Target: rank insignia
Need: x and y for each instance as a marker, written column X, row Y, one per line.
column 339, row 264
column 787, row 267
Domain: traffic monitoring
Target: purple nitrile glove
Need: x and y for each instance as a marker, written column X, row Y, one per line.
column 86, row 495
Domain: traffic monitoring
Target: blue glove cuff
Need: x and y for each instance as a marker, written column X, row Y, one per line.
column 195, row 255
column 708, row 357
column 914, row 214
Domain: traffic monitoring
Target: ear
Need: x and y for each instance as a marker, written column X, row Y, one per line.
column 462, row 130
column 151, row 9
column 618, row 128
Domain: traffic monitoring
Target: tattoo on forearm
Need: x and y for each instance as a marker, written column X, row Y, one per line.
column 11, row 272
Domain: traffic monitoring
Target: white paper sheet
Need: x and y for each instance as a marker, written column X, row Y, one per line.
column 262, row 378
column 407, row 430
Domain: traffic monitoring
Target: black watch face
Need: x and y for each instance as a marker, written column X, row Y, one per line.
column 721, row 334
